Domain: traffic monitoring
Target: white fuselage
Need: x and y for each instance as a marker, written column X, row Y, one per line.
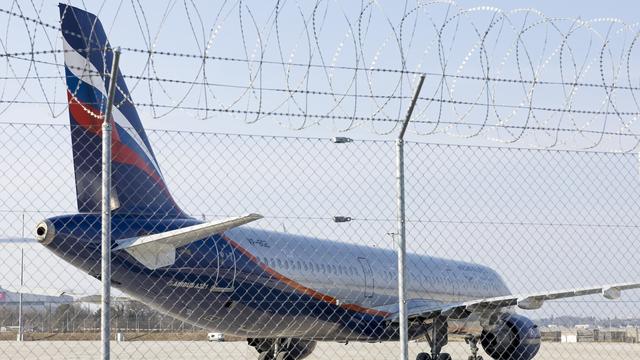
column 365, row 275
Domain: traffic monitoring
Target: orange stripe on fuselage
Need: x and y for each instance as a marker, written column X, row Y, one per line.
column 301, row 288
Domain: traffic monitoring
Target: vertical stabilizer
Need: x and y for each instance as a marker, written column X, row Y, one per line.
column 136, row 178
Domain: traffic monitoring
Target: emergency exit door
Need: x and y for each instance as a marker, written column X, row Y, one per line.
column 368, row 277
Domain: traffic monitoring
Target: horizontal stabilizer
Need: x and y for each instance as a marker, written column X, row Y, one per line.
column 159, row 250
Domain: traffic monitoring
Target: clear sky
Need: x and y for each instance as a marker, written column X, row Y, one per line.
column 543, row 219
column 587, row 9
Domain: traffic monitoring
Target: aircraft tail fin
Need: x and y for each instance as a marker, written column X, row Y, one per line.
column 138, row 186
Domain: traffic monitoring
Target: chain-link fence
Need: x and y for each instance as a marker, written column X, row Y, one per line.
column 319, row 269
column 284, row 248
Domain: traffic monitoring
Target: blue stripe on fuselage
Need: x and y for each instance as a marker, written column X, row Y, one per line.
column 261, row 305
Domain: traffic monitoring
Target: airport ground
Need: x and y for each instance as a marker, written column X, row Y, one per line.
column 171, row 350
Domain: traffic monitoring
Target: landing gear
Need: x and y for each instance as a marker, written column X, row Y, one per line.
column 282, row 349
column 264, row 347
column 437, row 337
column 284, row 355
column 472, row 340
column 426, row 356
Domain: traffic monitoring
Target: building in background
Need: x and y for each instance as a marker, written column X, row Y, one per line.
column 10, row 300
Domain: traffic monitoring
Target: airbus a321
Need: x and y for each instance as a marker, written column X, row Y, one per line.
column 282, row 292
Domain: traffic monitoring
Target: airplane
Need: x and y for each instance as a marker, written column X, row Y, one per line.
column 10, row 297
column 282, row 292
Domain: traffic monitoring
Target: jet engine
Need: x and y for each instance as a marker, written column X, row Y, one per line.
column 512, row 337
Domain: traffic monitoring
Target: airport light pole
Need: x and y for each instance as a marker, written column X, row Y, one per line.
column 402, row 246
column 105, row 333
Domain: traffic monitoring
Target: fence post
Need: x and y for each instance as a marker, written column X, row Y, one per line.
column 402, row 247
column 105, row 333
column 20, row 315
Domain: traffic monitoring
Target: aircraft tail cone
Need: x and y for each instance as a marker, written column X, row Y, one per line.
column 45, row 232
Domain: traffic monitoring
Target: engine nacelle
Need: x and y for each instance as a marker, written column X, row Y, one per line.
column 513, row 337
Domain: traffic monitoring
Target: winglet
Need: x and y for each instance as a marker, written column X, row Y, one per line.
column 158, row 250
column 613, row 292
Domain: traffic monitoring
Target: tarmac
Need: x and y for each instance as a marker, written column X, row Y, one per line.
column 172, row 350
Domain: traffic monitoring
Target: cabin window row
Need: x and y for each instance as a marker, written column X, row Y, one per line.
column 310, row 266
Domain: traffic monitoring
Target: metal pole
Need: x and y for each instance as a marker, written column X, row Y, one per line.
column 402, row 246
column 105, row 333
column 20, row 336
column 20, row 329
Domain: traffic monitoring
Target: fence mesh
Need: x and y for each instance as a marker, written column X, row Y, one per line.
column 544, row 220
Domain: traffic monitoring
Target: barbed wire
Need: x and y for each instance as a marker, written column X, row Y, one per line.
column 20, row 55
column 382, row 220
column 503, row 76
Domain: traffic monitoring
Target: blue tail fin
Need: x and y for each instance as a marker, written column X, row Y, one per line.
column 137, row 182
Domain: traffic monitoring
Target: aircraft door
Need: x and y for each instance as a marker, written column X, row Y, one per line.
column 226, row 267
column 453, row 287
column 368, row 277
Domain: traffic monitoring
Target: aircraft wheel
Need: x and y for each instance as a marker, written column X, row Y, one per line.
column 471, row 357
column 284, row 355
column 423, row 356
column 444, row 356
column 265, row 355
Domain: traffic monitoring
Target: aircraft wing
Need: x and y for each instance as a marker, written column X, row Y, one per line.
column 40, row 291
column 97, row 299
column 77, row 297
column 159, row 250
column 421, row 310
